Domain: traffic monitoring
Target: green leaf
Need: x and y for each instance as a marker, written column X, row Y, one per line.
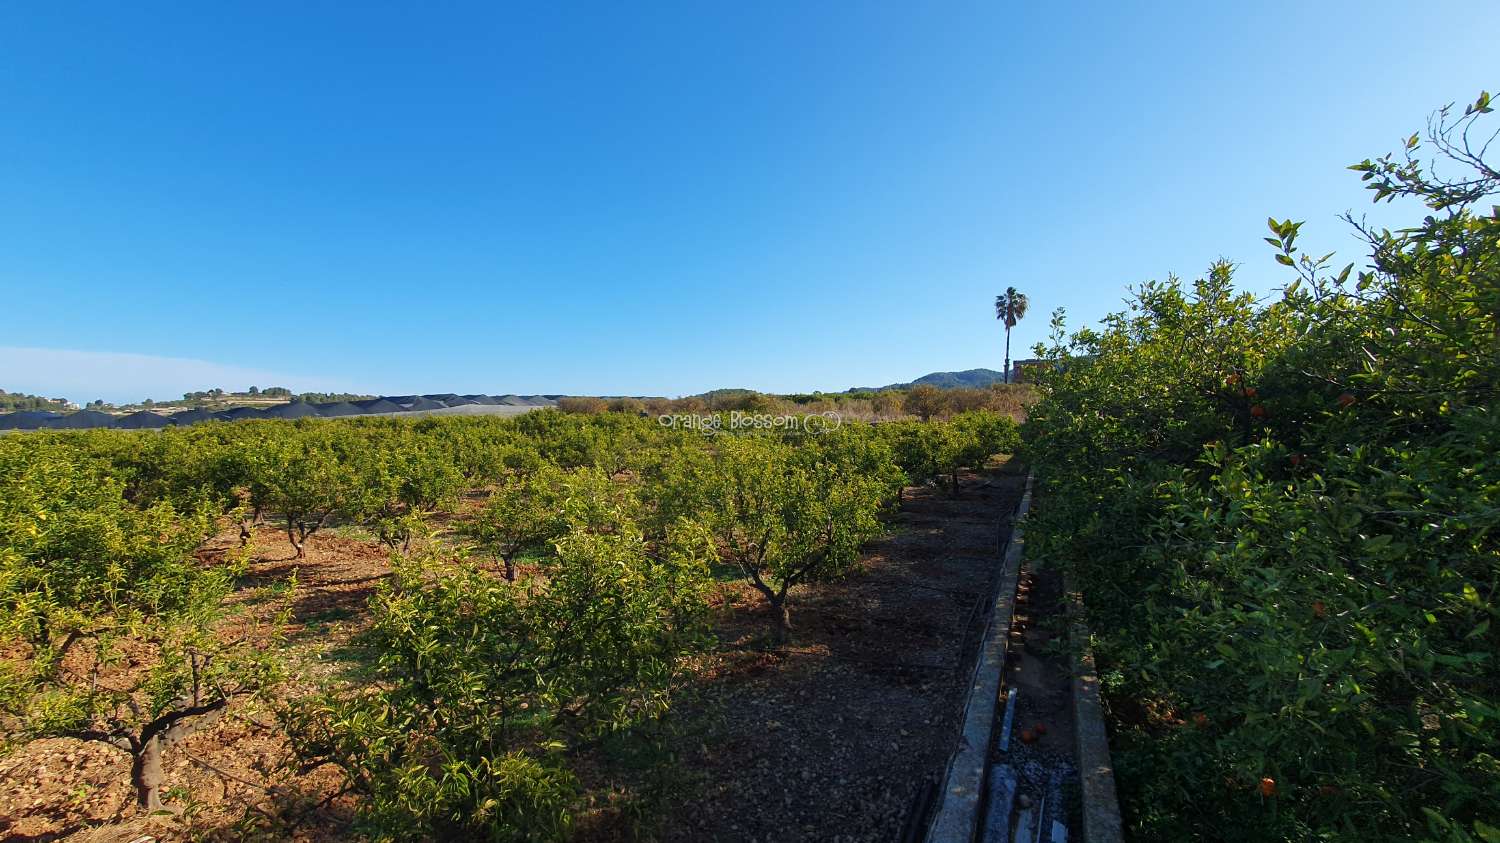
column 1436, row 819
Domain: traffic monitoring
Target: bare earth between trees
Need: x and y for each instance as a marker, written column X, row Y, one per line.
column 827, row 738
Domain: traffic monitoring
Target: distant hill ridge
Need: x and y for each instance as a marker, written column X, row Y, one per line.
column 967, row 379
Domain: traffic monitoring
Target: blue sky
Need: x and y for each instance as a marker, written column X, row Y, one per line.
column 660, row 198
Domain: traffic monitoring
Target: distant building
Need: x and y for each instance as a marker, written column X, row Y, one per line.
column 1019, row 369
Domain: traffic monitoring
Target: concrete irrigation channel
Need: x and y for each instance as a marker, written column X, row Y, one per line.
column 1032, row 760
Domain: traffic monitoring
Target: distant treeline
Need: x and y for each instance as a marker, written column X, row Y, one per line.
column 22, row 401
column 923, row 401
column 217, row 396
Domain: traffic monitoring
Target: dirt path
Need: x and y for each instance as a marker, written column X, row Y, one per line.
column 831, row 739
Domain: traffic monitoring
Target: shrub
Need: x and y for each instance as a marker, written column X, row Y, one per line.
column 1282, row 521
column 925, row 402
column 485, row 687
column 779, row 514
column 91, row 585
column 582, row 404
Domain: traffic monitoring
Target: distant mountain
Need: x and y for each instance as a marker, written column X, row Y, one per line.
column 971, row 379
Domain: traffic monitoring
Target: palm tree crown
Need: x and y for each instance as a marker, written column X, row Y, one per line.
column 1010, row 308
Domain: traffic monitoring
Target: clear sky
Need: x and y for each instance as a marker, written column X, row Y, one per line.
column 659, row 198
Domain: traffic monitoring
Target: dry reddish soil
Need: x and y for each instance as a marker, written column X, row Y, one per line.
column 826, row 739
column 232, row 778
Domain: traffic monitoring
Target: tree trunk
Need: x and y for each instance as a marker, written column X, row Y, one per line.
column 510, row 570
column 1007, row 354
column 955, row 483
column 783, row 617
column 146, row 773
column 291, row 536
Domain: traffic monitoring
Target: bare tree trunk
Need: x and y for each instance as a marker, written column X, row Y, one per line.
column 510, row 570
column 247, row 526
column 1007, row 354
column 146, row 774
column 291, row 536
column 783, row 618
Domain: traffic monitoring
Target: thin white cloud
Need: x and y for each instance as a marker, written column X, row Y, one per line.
column 121, row 376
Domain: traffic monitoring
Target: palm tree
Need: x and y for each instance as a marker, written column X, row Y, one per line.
column 1011, row 308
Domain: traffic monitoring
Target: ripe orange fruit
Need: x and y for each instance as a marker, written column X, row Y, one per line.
column 1200, row 720
column 1319, row 610
column 1250, row 392
column 1028, row 736
column 1258, row 410
column 1296, row 459
column 1268, row 787
column 1234, row 378
column 1346, row 399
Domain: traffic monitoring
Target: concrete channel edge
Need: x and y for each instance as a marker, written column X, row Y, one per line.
column 962, row 791
column 1096, row 774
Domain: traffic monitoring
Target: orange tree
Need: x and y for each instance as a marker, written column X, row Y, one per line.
column 487, row 690
column 928, row 451
column 1283, row 522
column 529, row 512
column 782, row 515
column 109, row 626
column 404, row 478
column 307, row 477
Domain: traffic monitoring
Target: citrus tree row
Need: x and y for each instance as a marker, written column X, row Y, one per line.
column 561, row 602
column 1283, row 522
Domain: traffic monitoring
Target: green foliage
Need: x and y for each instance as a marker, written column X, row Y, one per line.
column 531, row 511
column 72, row 548
column 10, row 401
column 97, row 697
column 857, row 450
column 486, row 686
column 928, row 451
column 93, row 585
column 1282, row 521
column 782, row 515
column 486, row 691
column 402, row 479
column 308, row 480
